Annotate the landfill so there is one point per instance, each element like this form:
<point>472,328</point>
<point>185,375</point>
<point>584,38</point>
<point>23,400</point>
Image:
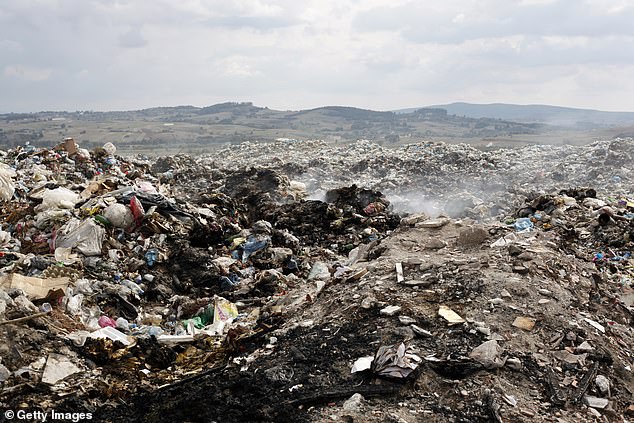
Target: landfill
<point>309,281</point>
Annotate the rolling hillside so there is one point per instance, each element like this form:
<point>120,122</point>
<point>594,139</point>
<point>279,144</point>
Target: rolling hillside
<point>551,115</point>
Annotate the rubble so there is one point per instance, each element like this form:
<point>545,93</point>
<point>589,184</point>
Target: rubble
<point>449,315</point>
<point>58,367</point>
<point>525,323</point>
<point>262,283</point>
<point>595,402</point>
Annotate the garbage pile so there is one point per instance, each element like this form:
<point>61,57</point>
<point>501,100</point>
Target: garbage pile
<point>456,179</point>
<point>222,289</point>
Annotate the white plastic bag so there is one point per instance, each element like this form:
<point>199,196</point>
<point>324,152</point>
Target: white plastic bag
<point>7,186</point>
<point>73,304</point>
<point>58,198</point>
<point>87,237</point>
<point>110,148</point>
<point>119,215</point>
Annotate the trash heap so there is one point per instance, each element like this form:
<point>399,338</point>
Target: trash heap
<point>457,179</point>
<point>221,289</point>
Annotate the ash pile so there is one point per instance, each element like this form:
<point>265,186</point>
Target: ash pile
<point>300,281</point>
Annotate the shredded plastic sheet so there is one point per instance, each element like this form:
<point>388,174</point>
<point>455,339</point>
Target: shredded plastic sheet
<point>87,237</point>
<point>395,361</point>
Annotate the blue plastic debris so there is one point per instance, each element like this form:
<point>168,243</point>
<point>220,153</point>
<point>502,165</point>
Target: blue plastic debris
<point>249,247</point>
<point>523,224</point>
<point>151,256</point>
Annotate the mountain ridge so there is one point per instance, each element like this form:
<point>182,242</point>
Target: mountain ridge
<point>534,113</point>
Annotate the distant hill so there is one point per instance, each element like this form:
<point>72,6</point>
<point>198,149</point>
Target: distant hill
<point>349,113</point>
<point>188,128</point>
<point>551,115</point>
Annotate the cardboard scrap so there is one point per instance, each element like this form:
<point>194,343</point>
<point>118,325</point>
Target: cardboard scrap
<point>33,287</point>
<point>449,315</point>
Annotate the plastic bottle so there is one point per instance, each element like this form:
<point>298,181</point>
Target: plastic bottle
<point>151,256</point>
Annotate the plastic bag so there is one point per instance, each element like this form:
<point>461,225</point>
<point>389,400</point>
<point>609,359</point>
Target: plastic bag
<point>87,237</point>
<point>119,216</point>
<point>49,218</point>
<point>83,286</point>
<point>319,271</point>
<point>65,255</point>
<point>396,361</point>
<point>123,324</point>
<point>58,198</point>
<point>224,310</point>
<point>145,186</point>
<point>105,321</point>
<point>5,237</point>
<point>7,186</point>
<point>151,256</point>
<point>110,148</point>
<point>137,210</point>
<point>73,304</point>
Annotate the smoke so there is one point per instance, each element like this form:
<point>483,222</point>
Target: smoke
<point>475,198</point>
<point>316,194</point>
<point>413,202</point>
<point>460,195</point>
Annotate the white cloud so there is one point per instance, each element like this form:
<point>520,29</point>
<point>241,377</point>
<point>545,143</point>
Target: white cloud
<point>28,73</point>
<point>132,39</point>
<point>459,18</point>
<point>534,2</point>
<point>237,66</point>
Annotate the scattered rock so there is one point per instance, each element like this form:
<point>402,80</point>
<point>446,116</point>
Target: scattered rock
<point>515,250</point>
<point>354,403</point>
<point>368,302</point>
<point>4,373</point>
<point>435,244</point>
<point>432,223</point>
<point>595,402</point>
<point>390,310</point>
<point>422,283</point>
<point>421,332</point>
<point>406,320</point>
<point>514,363</point>
<point>595,325</point>
<point>584,347</point>
<point>525,323</point>
<point>488,354</point>
<point>449,315</point>
<point>510,400</point>
<point>603,383</point>
<point>521,270</point>
<point>57,368</point>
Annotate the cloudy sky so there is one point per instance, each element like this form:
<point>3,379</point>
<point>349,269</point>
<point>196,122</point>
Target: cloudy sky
<point>294,54</point>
